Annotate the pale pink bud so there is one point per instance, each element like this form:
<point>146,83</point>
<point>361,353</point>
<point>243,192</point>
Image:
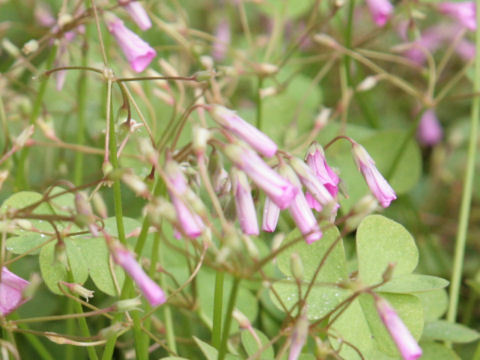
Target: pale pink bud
<point>406,344</point>
<point>300,211</point>
<point>277,188</point>
<point>191,224</point>
<point>381,11</point>
<point>222,40</point>
<point>271,212</point>
<point>380,188</point>
<point>244,130</point>
<point>152,292</point>
<point>138,53</point>
<point>11,291</point>
<point>465,49</point>
<point>247,216</point>
<point>137,13</point>
<point>429,130</point>
<point>299,336</point>
<point>464,12</point>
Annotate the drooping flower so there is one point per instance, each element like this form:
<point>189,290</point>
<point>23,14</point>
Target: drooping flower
<point>380,188</point>
<point>277,188</point>
<point>464,12</point>
<point>191,223</point>
<point>381,11</point>
<point>316,160</point>
<point>406,344</point>
<point>138,53</point>
<point>300,211</point>
<point>429,130</point>
<point>11,291</point>
<point>271,212</point>
<point>244,130</point>
<point>152,292</point>
<point>246,213</point>
<point>222,40</point>
<point>137,13</point>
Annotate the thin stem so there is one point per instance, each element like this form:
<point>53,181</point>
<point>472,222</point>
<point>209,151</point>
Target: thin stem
<point>461,239</point>
<point>217,309</point>
<point>92,354</point>
<point>40,349</point>
<point>99,32</point>
<point>167,311</point>
<point>259,103</point>
<point>228,318</point>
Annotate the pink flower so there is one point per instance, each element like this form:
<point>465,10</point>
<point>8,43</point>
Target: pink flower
<point>138,53</point>
<point>464,12</point>
<point>247,216</point>
<point>11,291</point>
<point>465,49</point>
<point>191,224</point>
<point>244,130</point>
<point>381,11</point>
<point>300,211</point>
<point>222,40</point>
<point>278,189</point>
<point>137,13</point>
<point>318,163</point>
<point>429,130</point>
<point>299,336</point>
<point>406,344</point>
<point>375,181</point>
<point>271,212</point>
<point>152,292</point>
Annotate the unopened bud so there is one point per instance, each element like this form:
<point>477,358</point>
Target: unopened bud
<point>368,83</point>
<point>206,61</point>
<point>200,139</point>
<point>128,305</point>
<point>269,91</point>
<point>24,136</point>
<point>30,47</point>
<point>242,320</point>
<point>146,148</point>
<point>296,266</point>
<point>277,241</point>
<point>387,274</point>
<point>107,168</point>
<point>322,118</point>
<point>61,254</point>
<point>326,40</point>
<point>79,290</point>
<point>99,205</point>
<point>361,209</point>
<point>47,128</point>
<point>64,19</point>
<point>10,48</point>
<point>111,331</point>
<point>251,247</point>
<point>160,209</point>
<point>266,69</point>
<point>136,184</point>
<point>3,176</point>
<point>204,75</point>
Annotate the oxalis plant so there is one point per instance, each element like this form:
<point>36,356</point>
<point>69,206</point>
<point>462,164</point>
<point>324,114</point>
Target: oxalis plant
<point>276,179</point>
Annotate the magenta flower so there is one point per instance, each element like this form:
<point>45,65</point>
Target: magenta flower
<point>152,292</point>
<point>222,40</point>
<point>380,188</point>
<point>464,12</point>
<point>271,212</point>
<point>247,216</point>
<point>11,291</point>
<point>278,189</point>
<point>406,344</point>
<point>318,163</point>
<point>381,11</point>
<point>244,130</point>
<point>137,13</point>
<point>138,53</point>
<point>300,211</point>
<point>429,130</point>
<point>191,224</point>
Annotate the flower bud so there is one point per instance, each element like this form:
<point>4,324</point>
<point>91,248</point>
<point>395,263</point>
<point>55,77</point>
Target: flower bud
<point>364,207</point>
<point>3,176</point>
<point>242,320</point>
<point>24,136</point>
<point>200,139</point>
<point>30,47</point>
<point>111,331</point>
<point>137,13</point>
<point>136,184</point>
<point>10,48</point>
<point>251,247</point>
<point>79,290</point>
<point>245,208</point>
<point>128,305</point>
<point>266,69</point>
<point>296,266</point>
<point>99,205</point>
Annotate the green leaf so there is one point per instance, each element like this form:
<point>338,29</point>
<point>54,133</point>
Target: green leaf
<point>210,352</point>
<point>380,242</point>
<point>413,283</point>
<point>434,303</point>
<point>25,242</point>
<point>291,9</point>
<point>251,346</point>
<point>446,331</point>
<point>76,261</point>
<point>52,270</point>
<point>434,351</point>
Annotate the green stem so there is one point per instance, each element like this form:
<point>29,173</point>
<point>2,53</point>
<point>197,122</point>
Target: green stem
<point>228,319</point>
<point>259,103</point>
<point>70,349</point>
<point>217,309</point>
<point>40,349</point>
<point>348,39</point>
<point>467,189</point>
<point>20,179</point>
<point>92,354</point>
<point>109,348</point>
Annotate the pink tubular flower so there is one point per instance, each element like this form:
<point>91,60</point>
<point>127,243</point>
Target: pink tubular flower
<point>278,189</point>
<point>380,188</point>
<point>318,163</point>
<point>301,213</point>
<point>271,212</point>
<point>299,336</point>
<point>152,292</point>
<point>244,130</point>
<point>137,13</point>
<point>191,224</point>
<point>381,11</point>
<point>406,344</point>
<point>11,291</point>
<point>222,40</point>
<point>464,12</point>
<point>429,130</point>
<point>138,53</point>
<point>247,216</point>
